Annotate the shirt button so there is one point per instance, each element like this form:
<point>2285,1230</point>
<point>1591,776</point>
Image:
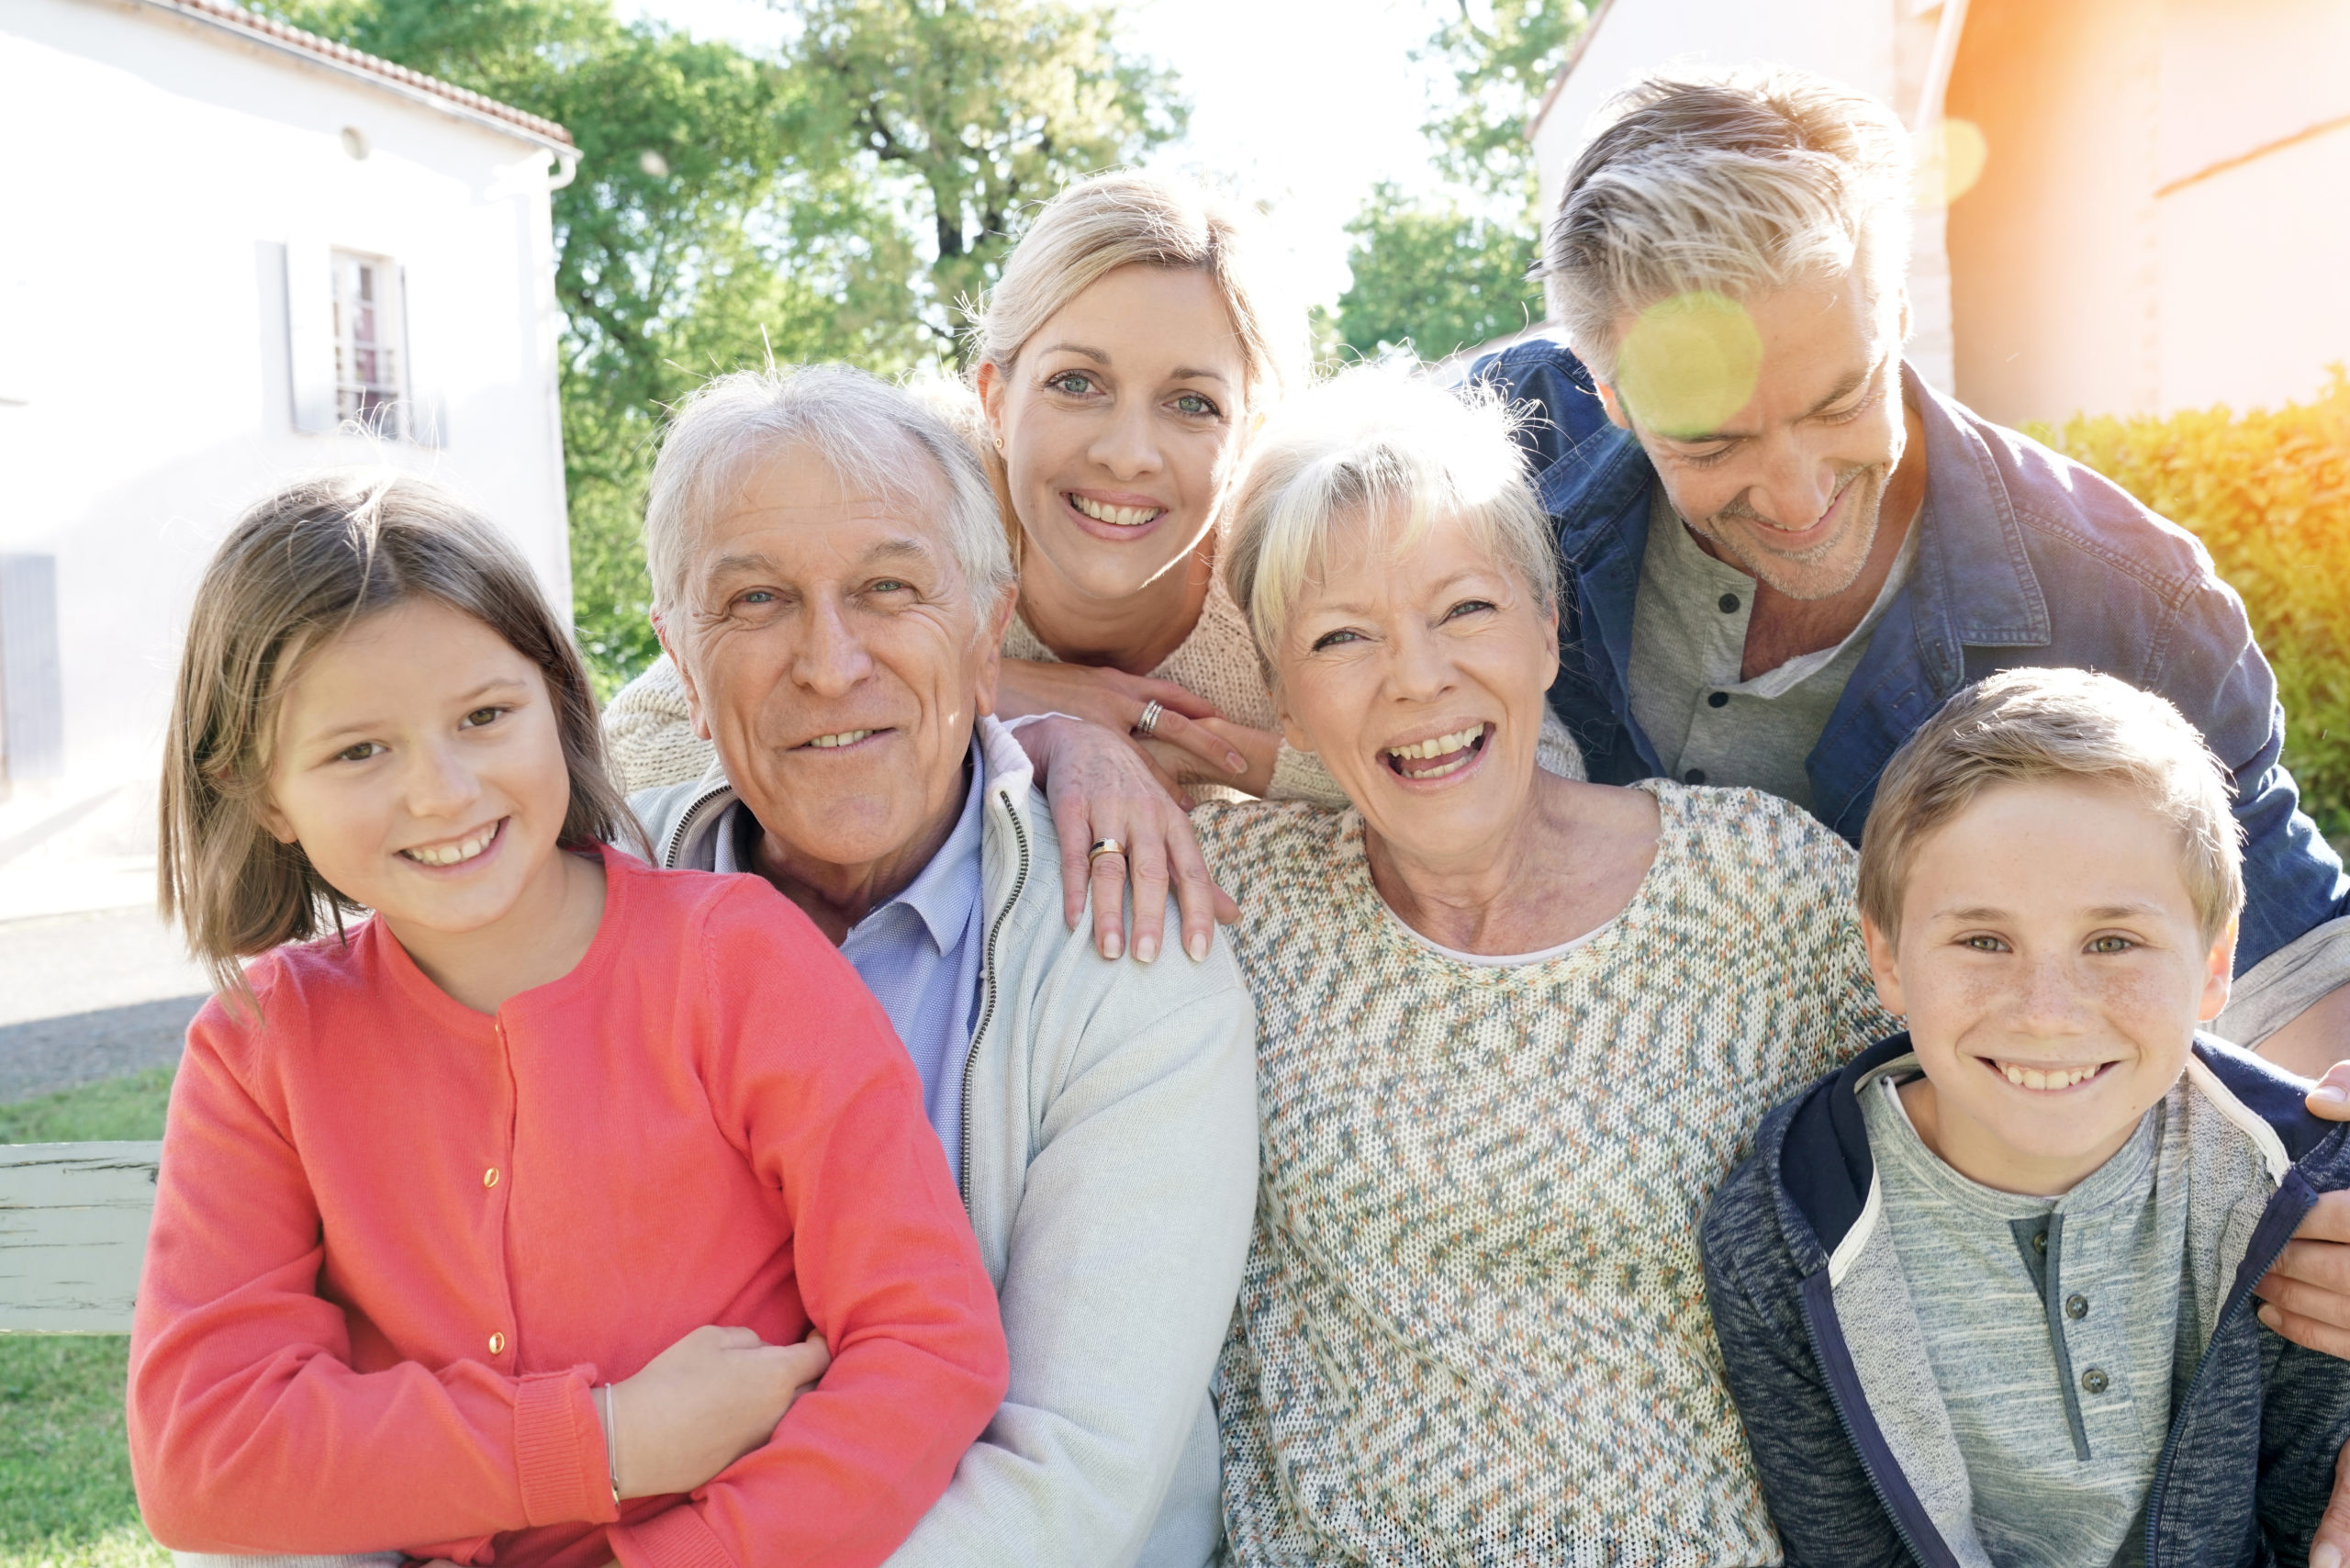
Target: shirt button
<point>2040,1241</point>
<point>1728,602</point>
<point>2094,1379</point>
<point>490,1177</point>
<point>1694,776</point>
<point>2076,1307</point>
<point>1717,700</point>
<point>497,1348</point>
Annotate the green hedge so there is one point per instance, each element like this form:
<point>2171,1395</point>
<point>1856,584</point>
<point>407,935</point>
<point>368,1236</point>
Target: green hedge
<point>2268,493</point>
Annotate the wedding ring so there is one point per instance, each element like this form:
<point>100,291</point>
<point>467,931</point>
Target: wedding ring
<point>1103,846</point>
<point>1149,723</point>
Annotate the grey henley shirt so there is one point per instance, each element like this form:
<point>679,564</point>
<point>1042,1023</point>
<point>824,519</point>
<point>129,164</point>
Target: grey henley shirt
<point>2052,1326</point>
<point>1689,623</point>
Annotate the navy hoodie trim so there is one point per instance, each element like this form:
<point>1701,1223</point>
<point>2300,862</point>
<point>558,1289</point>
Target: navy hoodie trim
<point>1918,1529</point>
<point>2271,1093</point>
<point>1825,1165</point>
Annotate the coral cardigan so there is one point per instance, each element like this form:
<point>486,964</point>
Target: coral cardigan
<point>397,1240</point>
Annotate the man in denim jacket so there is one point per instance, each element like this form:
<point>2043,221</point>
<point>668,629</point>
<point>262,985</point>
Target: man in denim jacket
<point>1842,547</point>
<point>1845,546</point>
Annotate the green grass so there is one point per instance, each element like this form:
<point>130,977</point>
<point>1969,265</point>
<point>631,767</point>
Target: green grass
<point>65,1497</point>
<point>118,1108</point>
<point>65,1493</point>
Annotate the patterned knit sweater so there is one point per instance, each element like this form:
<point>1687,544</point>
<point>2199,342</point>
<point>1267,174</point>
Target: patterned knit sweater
<point>649,737</point>
<point>1473,1329</point>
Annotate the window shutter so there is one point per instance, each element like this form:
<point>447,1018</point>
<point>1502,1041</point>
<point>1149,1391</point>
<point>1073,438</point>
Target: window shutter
<point>32,687</point>
<point>309,335</point>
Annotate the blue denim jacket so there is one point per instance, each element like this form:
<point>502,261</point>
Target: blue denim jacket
<point>2024,558</point>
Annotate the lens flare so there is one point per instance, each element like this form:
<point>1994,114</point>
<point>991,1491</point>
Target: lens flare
<point>1951,155</point>
<point>1689,363</point>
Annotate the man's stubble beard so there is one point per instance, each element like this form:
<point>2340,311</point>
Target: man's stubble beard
<point>1798,575</point>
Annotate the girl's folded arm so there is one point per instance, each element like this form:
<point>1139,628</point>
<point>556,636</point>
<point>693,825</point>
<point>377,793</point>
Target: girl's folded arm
<point>248,1429</point>
<point>886,1265</point>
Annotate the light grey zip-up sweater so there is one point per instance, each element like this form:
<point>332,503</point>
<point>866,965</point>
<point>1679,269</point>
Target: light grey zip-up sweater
<point>1110,1171</point>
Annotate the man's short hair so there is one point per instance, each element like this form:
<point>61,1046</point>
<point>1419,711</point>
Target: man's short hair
<point>1726,187</point>
<point>2031,725</point>
<point>878,438</point>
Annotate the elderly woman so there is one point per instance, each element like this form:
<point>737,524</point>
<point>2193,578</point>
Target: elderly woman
<point>1513,1029</point>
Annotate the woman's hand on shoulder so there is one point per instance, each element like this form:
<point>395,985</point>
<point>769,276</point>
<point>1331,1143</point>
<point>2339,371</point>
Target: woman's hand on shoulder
<point>1260,749</point>
<point>1118,703</point>
<point>1103,791</point>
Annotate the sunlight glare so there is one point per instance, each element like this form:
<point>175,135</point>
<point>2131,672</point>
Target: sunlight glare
<point>1689,363</point>
<point>1951,155</point>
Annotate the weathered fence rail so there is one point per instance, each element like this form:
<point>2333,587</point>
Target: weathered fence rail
<point>72,1231</point>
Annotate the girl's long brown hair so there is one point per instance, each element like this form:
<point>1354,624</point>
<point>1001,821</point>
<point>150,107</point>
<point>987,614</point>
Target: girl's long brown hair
<point>299,569</point>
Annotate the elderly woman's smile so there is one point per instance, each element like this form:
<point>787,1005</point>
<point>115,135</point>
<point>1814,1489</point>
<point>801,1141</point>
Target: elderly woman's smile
<point>1438,756</point>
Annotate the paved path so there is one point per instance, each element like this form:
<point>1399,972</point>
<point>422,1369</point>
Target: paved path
<point>84,997</point>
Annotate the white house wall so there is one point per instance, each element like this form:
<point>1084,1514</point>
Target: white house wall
<point>1852,41</point>
<point>161,170</point>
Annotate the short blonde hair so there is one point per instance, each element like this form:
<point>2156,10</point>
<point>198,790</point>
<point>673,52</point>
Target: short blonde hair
<point>1393,450</point>
<point>1125,219</point>
<point>1730,184</point>
<point>298,569</point>
<point>2031,725</point>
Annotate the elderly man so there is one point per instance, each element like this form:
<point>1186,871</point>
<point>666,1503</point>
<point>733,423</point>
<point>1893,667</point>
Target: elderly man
<point>831,579</point>
<point>1783,550</point>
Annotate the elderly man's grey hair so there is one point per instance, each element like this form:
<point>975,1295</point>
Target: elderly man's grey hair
<point>1394,451</point>
<point>1724,188</point>
<point>877,438</point>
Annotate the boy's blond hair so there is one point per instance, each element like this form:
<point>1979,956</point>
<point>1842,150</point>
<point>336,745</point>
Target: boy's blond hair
<point>2029,725</point>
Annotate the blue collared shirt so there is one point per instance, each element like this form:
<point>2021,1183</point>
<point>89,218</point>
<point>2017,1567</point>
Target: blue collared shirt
<point>919,954</point>
<point>2024,558</point>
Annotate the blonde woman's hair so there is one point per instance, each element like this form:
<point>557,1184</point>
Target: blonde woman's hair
<point>1730,184</point>
<point>1125,218</point>
<point>2034,726</point>
<point>299,569</point>
<point>1397,452</point>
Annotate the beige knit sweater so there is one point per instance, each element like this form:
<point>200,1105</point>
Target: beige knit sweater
<point>1472,1332</point>
<point>649,738</point>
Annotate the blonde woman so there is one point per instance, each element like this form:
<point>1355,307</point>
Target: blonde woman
<point>1133,341</point>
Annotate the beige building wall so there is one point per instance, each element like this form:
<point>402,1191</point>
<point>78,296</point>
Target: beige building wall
<point>2164,220</point>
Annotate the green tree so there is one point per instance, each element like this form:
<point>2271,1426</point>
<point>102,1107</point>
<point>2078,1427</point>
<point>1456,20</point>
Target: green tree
<point>980,108</point>
<point>729,208</point>
<point>717,218</point>
<point>1433,277</point>
<point>1450,273</point>
<point>1501,68</point>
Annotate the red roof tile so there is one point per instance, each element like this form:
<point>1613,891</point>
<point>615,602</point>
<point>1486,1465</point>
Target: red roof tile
<point>235,18</point>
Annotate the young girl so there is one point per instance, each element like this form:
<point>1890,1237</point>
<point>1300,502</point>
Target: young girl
<point>438,1185</point>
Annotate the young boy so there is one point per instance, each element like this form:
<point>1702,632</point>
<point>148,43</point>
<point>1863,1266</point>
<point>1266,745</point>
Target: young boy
<point>1984,1296</point>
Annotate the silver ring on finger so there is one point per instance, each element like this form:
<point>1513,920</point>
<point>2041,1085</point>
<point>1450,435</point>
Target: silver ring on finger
<point>1149,723</point>
<point>1103,846</point>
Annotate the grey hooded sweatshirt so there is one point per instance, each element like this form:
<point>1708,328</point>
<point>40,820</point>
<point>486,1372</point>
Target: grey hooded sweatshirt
<point>1109,1166</point>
